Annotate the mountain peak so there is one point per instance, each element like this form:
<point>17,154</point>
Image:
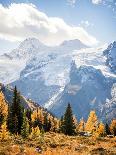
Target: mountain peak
<point>74,43</point>
<point>30,43</point>
<point>110,54</point>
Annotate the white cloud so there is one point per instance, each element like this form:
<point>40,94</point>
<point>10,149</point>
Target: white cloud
<point>71,2</point>
<point>97,1</point>
<point>20,21</point>
<point>86,23</point>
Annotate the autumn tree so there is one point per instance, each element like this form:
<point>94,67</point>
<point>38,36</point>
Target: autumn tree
<point>68,122</point>
<point>81,126</point>
<point>47,123</point>
<point>4,134</point>
<point>92,122</point>
<point>37,118</point>
<point>113,127</point>
<point>100,131</point>
<point>3,109</point>
<point>35,132</point>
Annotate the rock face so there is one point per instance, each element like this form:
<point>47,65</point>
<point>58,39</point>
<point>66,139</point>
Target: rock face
<point>8,94</point>
<point>43,70</point>
<point>47,75</point>
<point>110,54</point>
<point>87,90</point>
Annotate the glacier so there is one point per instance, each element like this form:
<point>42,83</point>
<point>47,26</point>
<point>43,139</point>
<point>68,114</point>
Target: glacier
<point>43,73</point>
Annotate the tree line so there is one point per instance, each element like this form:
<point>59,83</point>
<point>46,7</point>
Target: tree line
<point>15,120</point>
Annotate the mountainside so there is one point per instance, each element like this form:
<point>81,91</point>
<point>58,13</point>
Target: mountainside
<point>110,54</point>
<point>87,90</point>
<point>47,76</point>
<point>8,94</point>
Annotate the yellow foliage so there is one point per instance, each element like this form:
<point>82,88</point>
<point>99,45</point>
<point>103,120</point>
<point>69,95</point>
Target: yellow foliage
<point>35,132</point>
<point>3,107</point>
<point>54,123</point>
<point>37,114</point>
<point>30,151</point>
<point>4,134</point>
<point>92,122</point>
<point>113,127</point>
<point>81,126</point>
<point>100,130</point>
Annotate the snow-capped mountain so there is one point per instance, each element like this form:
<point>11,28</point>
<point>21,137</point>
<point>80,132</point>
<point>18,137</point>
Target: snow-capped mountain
<point>45,74</point>
<point>88,89</point>
<point>110,54</point>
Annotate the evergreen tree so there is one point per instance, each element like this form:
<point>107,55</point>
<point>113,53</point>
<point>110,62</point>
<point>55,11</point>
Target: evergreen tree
<point>28,115</point>
<point>25,126</point>
<point>113,127</point>
<point>15,114</point>
<point>61,126</point>
<point>68,122</point>
<point>107,129</point>
<point>47,123</point>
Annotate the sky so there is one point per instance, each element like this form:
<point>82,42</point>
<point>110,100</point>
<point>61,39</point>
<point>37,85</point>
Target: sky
<point>52,21</point>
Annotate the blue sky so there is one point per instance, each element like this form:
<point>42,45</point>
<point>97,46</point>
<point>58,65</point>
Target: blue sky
<point>96,17</point>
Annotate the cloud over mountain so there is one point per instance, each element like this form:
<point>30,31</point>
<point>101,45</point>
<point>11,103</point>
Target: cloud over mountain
<point>20,21</point>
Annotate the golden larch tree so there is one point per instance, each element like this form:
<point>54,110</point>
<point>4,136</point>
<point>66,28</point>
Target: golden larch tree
<point>100,131</point>
<point>4,134</point>
<point>81,126</point>
<point>3,108</point>
<point>92,122</point>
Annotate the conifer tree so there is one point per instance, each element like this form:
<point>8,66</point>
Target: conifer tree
<point>4,134</point>
<point>113,127</point>
<point>92,122</point>
<point>3,109</point>
<point>25,126</point>
<point>100,131</point>
<point>37,118</point>
<point>107,129</point>
<point>81,126</point>
<point>28,115</point>
<point>15,114</point>
<point>47,123</point>
<point>69,125</point>
<point>61,126</point>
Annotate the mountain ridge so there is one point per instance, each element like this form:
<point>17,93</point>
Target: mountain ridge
<point>42,73</point>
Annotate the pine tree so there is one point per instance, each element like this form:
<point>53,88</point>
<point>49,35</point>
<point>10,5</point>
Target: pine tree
<point>113,127</point>
<point>61,126</point>
<point>15,114</point>
<point>92,122</point>
<point>107,129</point>
<point>25,126</point>
<point>69,125</point>
<point>28,115</point>
<point>47,123</point>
